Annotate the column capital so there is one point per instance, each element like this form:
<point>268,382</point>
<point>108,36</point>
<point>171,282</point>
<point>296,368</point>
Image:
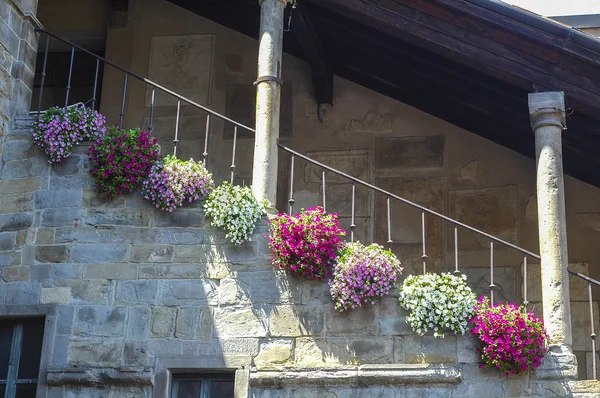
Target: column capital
<point>547,109</point>
<point>283,2</point>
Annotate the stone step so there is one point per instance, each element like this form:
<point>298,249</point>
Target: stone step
<point>585,388</point>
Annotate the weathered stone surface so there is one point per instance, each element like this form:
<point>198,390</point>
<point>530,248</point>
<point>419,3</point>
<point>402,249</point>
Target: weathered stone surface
<point>110,271</point>
<point>96,352</point>
<point>182,218</point>
<point>8,240</point>
<point>393,326</point>
<point>23,168</point>
<point>136,353</point>
<point>82,235</point>
<point>16,203</point>
<point>10,258</point>
<point>15,221</point>
<point>20,186</point>
<point>315,293</point>
<point>578,288</point>
<point>67,166</point>
<point>151,254</point>
<point>91,199</point>
<point>469,170</point>
<point>138,321</point>
<point>162,322</point>
<point>234,291</point>
<point>242,322</point>
<point>185,322</point>
<point>78,181</point>
<point>66,217</point>
<point>492,210</point>
<point>360,321</point>
<point>52,254</point>
<point>428,349</point>
<point>188,292</point>
<point>86,292</point>
<point>410,152</point>
<point>134,235</point>
<point>342,351</point>
<point>478,279</point>
<point>372,123</point>
<point>355,163</point>
<point>339,200</point>
<point>171,271</point>
<point>127,216</point>
<point>44,236</point>
<point>55,295</point>
<point>467,346</point>
<point>15,274</point>
<point>293,321</point>
<point>205,328</point>
<point>23,293</point>
<point>56,199</point>
<point>103,321</point>
<point>274,353</point>
<point>136,292</point>
<point>93,254</point>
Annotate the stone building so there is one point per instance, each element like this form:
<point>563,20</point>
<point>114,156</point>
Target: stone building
<point>426,100</point>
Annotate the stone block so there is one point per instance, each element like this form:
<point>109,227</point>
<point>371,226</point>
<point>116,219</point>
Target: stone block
<point>8,240</point>
<point>82,235</point>
<point>66,316</point>
<point>326,352</point>
<point>361,321</point>
<point>138,322</point>
<point>64,217</point>
<point>467,346</point>
<point>192,236</point>
<point>205,329</point>
<point>110,271</point>
<point>55,295</point>
<point>52,254</point>
<point>274,353</point>
<point>16,150</point>
<point>25,237</point>
<point>93,254</point>
<point>234,291</point>
<point>44,236</point>
<point>16,203</point>
<point>86,292</point>
<point>478,279</point>
<point>128,216</point>
<point>15,221</point>
<point>492,210</point>
<point>423,152</point>
<point>393,326</point>
<point>23,293</point>
<point>15,274</point>
<point>60,352</point>
<point>315,293</point>
<point>10,258</point>
<point>272,287</point>
<point>151,254</point>
<point>198,254</point>
<point>160,347</point>
<point>137,236</point>
<point>294,321</point>
<point>182,218</point>
<point>218,271</point>
<point>171,271</point>
<point>428,349</point>
<point>162,322</point>
<point>77,181</point>
<point>96,352</point>
<point>100,321</point>
<point>136,292</point>
<point>32,167</point>
<point>135,353</point>
<point>67,166</point>
<point>185,323</point>
<point>239,322</point>
<point>474,389</point>
<point>91,199</point>
<point>57,199</point>
<point>187,292</point>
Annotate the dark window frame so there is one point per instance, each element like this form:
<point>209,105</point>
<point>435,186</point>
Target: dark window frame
<point>205,378</point>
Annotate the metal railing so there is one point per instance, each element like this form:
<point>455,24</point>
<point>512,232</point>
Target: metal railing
<point>155,86</point>
<point>425,212</point>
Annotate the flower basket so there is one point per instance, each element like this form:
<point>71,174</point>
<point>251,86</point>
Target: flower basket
<point>121,160</point>
<point>235,209</point>
<point>173,182</point>
<point>60,129</point>
<point>307,243</point>
<point>437,302</point>
<point>362,275</point>
<point>511,340</point>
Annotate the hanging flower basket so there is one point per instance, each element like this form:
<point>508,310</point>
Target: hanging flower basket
<point>511,340</point>
<point>307,243</point>
<point>235,209</point>
<point>60,129</point>
<point>362,275</point>
<point>121,160</point>
<point>438,303</point>
<point>173,182</point>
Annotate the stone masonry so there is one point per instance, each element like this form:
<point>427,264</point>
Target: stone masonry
<point>129,292</point>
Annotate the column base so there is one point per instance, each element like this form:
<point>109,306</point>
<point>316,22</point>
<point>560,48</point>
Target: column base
<point>559,364</point>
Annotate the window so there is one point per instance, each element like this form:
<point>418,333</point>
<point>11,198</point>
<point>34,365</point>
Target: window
<point>20,353</point>
<point>215,385</point>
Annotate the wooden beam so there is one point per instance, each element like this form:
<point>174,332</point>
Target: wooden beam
<point>307,38</point>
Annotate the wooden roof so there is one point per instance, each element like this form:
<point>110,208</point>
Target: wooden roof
<point>469,62</point>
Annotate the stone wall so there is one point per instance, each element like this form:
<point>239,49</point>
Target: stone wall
<point>130,292</point>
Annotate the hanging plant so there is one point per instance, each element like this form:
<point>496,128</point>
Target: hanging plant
<point>60,129</point>
<point>307,243</point>
<point>438,303</point>
<point>511,340</point>
<point>236,210</point>
<point>362,275</point>
<point>173,182</point>
<point>121,160</point>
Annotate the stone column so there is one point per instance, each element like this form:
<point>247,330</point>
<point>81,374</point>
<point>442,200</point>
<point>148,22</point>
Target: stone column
<point>268,95</point>
<point>547,114</point>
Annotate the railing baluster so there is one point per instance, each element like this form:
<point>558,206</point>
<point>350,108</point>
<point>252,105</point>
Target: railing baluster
<point>389,222</point>
<point>152,101</point>
<point>43,77</point>
<point>205,153</point>
<point>235,130</point>
<point>95,84</point>
<point>525,301</point>
<point>352,222</point>
<point>291,200</point>
<point>176,140</point>
<point>456,271</point>
<point>122,114</point>
<point>593,334</point>
<point>492,286</point>
<point>424,237</point>
<point>324,200</point>
<point>70,75</point>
